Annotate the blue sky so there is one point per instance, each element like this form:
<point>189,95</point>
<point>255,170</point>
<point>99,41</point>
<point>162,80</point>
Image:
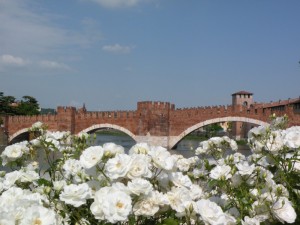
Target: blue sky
<point>110,54</point>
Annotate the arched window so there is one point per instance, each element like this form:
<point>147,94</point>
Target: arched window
<point>245,103</point>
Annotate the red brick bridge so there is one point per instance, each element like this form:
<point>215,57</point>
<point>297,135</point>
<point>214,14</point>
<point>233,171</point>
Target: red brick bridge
<point>160,123</point>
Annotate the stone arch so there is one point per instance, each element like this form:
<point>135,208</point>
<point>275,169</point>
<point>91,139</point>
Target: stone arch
<point>108,125</point>
<point>16,134</point>
<point>176,139</point>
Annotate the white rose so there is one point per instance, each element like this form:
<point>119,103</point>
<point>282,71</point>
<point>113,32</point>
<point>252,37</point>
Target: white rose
<point>145,207</point>
<point>250,221</point>
<point>140,166</point>
<point>29,176</point>
<point>244,168</point>
<point>275,142</point>
<point>118,166</point>
<point>59,185</point>
<point>220,172</point>
<point>178,198</point>
<point>112,149</point>
<point>14,152</point>
<point>291,137</point>
<point>111,204</point>
<point>140,186</point>
<point>180,180</point>
<point>210,212</point>
<point>183,164</point>
<point>75,195</point>
<point>39,215</point>
<point>284,211</point>
<point>195,192</point>
<point>139,148</point>
<point>91,156</point>
<point>11,178</point>
<point>162,158</point>
<point>37,125</point>
<point>72,167</point>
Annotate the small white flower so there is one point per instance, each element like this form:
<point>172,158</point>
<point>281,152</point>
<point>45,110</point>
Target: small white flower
<point>75,195</point>
<point>113,149</point>
<point>139,148</point>
<point>37,125</point>
<point>39,215</point>
<point>291,137</point>
<point>244,168</point>
<point>284,211</point>
<point>91,156</point>
<point>118,166</point>
<point>210,212</point>
<point>72,167</point>
<point>220,172</point>
<point>140,186</point>
<point>162,158</point>
<point>180,180</point>
<point>111,204</point>
<point>250,221</point>
<point>178,198</point>
<point>59,185</point>
<point>14,152</point>
<point>140,166</point>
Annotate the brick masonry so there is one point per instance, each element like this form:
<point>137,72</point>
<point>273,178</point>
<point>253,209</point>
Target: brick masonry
<point>158,123</point>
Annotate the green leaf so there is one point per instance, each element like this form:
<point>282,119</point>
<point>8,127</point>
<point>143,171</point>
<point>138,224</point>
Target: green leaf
<point>44,182</point>
<point>169,221</point>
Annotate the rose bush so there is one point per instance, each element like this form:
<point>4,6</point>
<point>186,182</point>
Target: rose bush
<point>84,184</point>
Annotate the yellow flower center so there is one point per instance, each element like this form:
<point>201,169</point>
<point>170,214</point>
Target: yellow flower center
<point>37,222</point>
<point>119,204</point>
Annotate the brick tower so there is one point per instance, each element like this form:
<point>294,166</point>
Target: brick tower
<point>239,100</point>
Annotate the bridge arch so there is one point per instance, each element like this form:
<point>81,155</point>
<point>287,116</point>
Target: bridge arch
<point>16,134</point>
<point>176,139</point>
<point>108,125</point>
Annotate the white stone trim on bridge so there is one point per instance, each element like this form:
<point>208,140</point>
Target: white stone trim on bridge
<point>154,140</point>
<point>108,125</point>
<point>173,140</point>
<point>11,137</point>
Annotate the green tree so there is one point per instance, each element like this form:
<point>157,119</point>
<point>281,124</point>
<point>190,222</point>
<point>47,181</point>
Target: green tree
<point>5,104</point>
<point>213,129</point>
<point>28,106</point>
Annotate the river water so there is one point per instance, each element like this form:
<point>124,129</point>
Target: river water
<point>185,147</point>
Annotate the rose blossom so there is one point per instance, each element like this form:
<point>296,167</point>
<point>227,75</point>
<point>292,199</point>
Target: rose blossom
<point>139,148</point>
<point>210,212</point>
<point>291,137</point>
<point>220,172</point>
<point>91,156</point>
<point>140,166</point>
<point>118,166</point>
<point>162,158</point>
<point>140,186</point>
<point>75,195</point>
<point>284,211</point>
<point>244,168</point>
<point>39,215</point>
<point>111,204</point>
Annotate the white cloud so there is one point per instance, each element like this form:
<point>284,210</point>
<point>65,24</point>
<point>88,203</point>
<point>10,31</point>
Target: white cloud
<point>117,3</point>
<point>53,65</point>
<point>116,48</point>
<point>9,60</point>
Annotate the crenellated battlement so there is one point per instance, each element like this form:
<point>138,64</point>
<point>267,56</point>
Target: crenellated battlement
<point>155,105</point>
